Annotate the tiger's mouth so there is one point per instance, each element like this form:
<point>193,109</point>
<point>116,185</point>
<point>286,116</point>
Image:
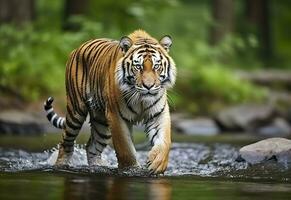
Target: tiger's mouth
<point>148,92</point>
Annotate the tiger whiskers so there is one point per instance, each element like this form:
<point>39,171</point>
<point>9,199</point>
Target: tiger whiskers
<point>133,99</point>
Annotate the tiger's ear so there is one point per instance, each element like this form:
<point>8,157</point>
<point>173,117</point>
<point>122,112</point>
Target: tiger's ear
<point>166,42</point>
<point>125,43</point>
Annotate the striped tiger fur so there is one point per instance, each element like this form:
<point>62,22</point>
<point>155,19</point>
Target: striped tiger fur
<point>55,120</point>
<point>118,83</point>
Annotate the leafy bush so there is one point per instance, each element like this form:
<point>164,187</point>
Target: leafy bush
<point>33,61</point>
<point>33,57</point>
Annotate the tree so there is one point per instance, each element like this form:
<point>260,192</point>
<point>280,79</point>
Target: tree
<point>223,14</point>
<point>258,14</point>
<point>17,11</point>
<point>73,8</point>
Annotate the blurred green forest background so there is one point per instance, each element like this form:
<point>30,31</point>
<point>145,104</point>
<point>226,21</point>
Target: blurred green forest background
<point>214,40</point>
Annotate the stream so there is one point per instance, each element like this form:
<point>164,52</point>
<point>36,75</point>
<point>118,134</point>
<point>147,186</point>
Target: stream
<point>195,171</point>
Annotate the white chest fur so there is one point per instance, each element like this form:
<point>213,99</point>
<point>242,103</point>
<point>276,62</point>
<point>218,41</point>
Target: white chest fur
<point>143,108</point>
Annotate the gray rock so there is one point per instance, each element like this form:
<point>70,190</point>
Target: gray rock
<point>29,122</point>
<point>278,148</point>
<point>21,122</point>
<point>247,117</point>
<point>198,126</point>
<point>278,128</point>
<point>177,117</point>
<point>267,77</point>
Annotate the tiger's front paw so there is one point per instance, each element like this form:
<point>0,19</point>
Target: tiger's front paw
<point>158,158</point>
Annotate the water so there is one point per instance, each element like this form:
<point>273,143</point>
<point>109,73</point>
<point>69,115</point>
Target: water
<point>196,171</point>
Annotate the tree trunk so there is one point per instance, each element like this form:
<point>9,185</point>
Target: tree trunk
<point>17,11</point>
<point>258,14</point>
<point>73,8</point>
<point>223,14</point>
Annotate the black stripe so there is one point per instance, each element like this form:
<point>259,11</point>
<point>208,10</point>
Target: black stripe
<point>83,66</point>
<point>71,125</point>
<point>96,55</point>
<point>78,93</point>
<point>156,101</point>
<point>100,51</point>
<point>100,151</point>
<point>168,72</point>
<point>104,50</point>
<point>141,51</point>
<point>81,112</point>
<point>149,129</point>
<point>92,153</point>
<point>95,51</point>
<point>151,51</point>
<point>101,143</point>
<point>103,136</point>
<point>124,118</point>
<point>84,76</point>
<point>55,122</point>
<point>50,115</point>
<point>166,80</point>
<point>47,106</point>
<point>66,145</point>
<point>69,150</point>
<point>70,83</point>
<point>156,114</point>
<point>99,121</point>
<point>68,134</point>
<point>71,115</point>
<point>69,140</point>
<point>152,140</point>
<point>130,108</point>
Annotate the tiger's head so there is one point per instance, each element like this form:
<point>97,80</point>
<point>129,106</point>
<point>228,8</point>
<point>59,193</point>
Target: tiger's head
<point>146,69</point>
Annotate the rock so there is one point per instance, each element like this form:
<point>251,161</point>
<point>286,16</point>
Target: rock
<point>278,128</point>
<point>267,77</point>
<point>199,126</point>
<point>247,117</point>
<point>29,122</point>
<point>278,148</point>
<point>21,122</point>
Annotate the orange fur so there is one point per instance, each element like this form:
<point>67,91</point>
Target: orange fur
<point>92,87</point>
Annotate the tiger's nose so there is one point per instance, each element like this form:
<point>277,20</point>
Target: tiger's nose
<point>148,86</point>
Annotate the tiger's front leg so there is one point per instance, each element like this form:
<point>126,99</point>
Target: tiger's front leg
<point>122,142</point>
<point>158,131</point>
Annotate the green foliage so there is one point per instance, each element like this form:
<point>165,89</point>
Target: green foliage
<point>206,88</point>
<point>32,58</point>
<point>33,61</point>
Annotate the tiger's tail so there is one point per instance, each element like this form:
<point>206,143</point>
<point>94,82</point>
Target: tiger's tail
<point>55,120</point>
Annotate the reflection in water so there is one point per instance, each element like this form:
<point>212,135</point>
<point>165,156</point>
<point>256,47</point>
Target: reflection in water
<point>161,189</point>
<point>84,188</point>
<point>112,188</point>
<point>68,186</point>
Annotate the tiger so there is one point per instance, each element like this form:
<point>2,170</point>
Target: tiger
<point>118,83</point>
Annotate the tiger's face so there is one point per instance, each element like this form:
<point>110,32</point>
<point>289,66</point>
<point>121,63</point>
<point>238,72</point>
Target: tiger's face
<point>146,68</point>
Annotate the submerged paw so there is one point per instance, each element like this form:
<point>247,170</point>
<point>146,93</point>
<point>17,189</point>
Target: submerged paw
<point>98,162</point>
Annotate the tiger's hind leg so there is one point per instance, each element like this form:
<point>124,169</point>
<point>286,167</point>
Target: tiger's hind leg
<point>74,122</point>
<point>99,139</point>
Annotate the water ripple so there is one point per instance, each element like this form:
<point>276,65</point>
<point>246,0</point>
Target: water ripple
<point>185,159</point>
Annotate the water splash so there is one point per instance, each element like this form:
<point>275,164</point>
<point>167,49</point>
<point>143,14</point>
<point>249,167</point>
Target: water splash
<point>185,159</point>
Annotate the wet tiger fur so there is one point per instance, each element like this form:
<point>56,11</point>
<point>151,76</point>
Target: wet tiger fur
<point>119,84</point>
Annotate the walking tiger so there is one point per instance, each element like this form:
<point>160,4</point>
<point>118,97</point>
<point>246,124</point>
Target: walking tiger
<point>119,84</point>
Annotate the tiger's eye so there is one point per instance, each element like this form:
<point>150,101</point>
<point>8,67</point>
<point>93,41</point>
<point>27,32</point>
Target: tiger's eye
<point>156,66</point>
<point>138,67</point>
